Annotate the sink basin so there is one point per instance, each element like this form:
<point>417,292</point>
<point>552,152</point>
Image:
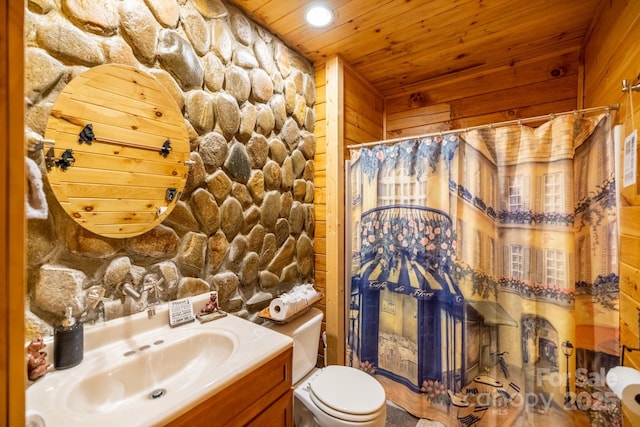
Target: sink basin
<point>140,372</point>
<point>166,363</point>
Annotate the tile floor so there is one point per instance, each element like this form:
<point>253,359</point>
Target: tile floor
<point>398,417</point>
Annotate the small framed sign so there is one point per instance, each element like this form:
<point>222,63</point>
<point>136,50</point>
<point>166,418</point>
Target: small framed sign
<point>180,312</point>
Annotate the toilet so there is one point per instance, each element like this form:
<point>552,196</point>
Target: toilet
<point>333,396</point>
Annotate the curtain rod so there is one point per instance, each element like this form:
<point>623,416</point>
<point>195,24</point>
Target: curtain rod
<point>489,126</point>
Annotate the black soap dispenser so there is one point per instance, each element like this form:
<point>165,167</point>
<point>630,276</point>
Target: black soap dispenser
<point>68,342</point>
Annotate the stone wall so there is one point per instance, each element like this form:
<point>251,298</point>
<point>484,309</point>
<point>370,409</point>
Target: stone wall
<point>244,224</point>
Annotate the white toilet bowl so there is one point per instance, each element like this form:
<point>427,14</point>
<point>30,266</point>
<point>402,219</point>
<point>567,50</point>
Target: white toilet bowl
<point>338,396</point>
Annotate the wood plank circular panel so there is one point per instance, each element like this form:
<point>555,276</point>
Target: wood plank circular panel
<point>124,173</point>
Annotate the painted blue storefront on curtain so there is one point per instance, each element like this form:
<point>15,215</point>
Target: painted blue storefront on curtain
<point>407,250</point>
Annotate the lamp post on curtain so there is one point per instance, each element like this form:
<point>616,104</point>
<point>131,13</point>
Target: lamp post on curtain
<point>567,350</point>
<point>354,309</point>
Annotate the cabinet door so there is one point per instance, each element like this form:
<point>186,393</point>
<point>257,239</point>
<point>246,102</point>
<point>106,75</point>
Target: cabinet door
<point>245,400</point>
<point>279,414</point>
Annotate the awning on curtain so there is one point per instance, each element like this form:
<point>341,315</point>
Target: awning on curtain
<point>407,249</point>
<point>492,313</point>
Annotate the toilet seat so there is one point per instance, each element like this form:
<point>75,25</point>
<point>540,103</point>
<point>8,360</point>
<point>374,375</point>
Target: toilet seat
<point>347,393</point>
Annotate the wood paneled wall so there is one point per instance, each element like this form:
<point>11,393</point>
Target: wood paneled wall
<point>612,54</point>
<point>12,220</point>
<point>363,111</point>
<point>348,111</point>
<point>320,195</point>
<point>532,87</point>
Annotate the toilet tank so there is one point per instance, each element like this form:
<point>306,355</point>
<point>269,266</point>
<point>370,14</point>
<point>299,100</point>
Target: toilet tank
<point>305,332</point>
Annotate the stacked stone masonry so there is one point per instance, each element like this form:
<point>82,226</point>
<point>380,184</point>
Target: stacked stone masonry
<point>244,224</point>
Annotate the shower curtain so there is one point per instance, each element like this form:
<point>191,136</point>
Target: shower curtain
<point>484,286</point>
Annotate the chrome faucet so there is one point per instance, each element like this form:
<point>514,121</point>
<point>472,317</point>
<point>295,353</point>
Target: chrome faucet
<point>141,299</point>
<point>129,290</point>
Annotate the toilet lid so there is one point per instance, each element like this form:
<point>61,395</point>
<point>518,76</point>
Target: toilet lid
<point>347,393</point>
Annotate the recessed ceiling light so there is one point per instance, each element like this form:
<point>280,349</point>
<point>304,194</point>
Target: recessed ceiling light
<point>319,16</point>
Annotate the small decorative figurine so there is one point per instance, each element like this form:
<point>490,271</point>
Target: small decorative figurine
<point>211,305</point>
<point>37,364</point>
<point>211,310</point>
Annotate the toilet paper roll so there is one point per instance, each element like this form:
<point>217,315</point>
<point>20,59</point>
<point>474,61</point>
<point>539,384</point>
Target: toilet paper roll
<point>280,309</point>
<point>294,301</point>
<point>631,398</point>
<point>625,383</point>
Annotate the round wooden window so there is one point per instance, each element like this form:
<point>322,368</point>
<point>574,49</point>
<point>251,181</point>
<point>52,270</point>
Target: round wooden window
<point>117,151</point>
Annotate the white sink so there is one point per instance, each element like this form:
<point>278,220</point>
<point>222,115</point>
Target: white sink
<point>141,372</point>
<point>165,363</point>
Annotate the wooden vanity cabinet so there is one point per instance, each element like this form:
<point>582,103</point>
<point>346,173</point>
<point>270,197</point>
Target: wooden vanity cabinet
<point>263,397</point>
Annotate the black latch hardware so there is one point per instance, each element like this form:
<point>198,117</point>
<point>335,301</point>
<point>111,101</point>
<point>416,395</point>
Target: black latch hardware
<point>86,134</point>
<point>63,162</point>
<point>171,194</point>
<point>166,148</point>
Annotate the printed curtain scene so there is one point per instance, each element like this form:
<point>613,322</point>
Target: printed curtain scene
<point>484,284</point>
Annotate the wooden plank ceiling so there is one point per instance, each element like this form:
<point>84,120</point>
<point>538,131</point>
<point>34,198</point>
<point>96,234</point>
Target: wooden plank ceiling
<point>398,43</point>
